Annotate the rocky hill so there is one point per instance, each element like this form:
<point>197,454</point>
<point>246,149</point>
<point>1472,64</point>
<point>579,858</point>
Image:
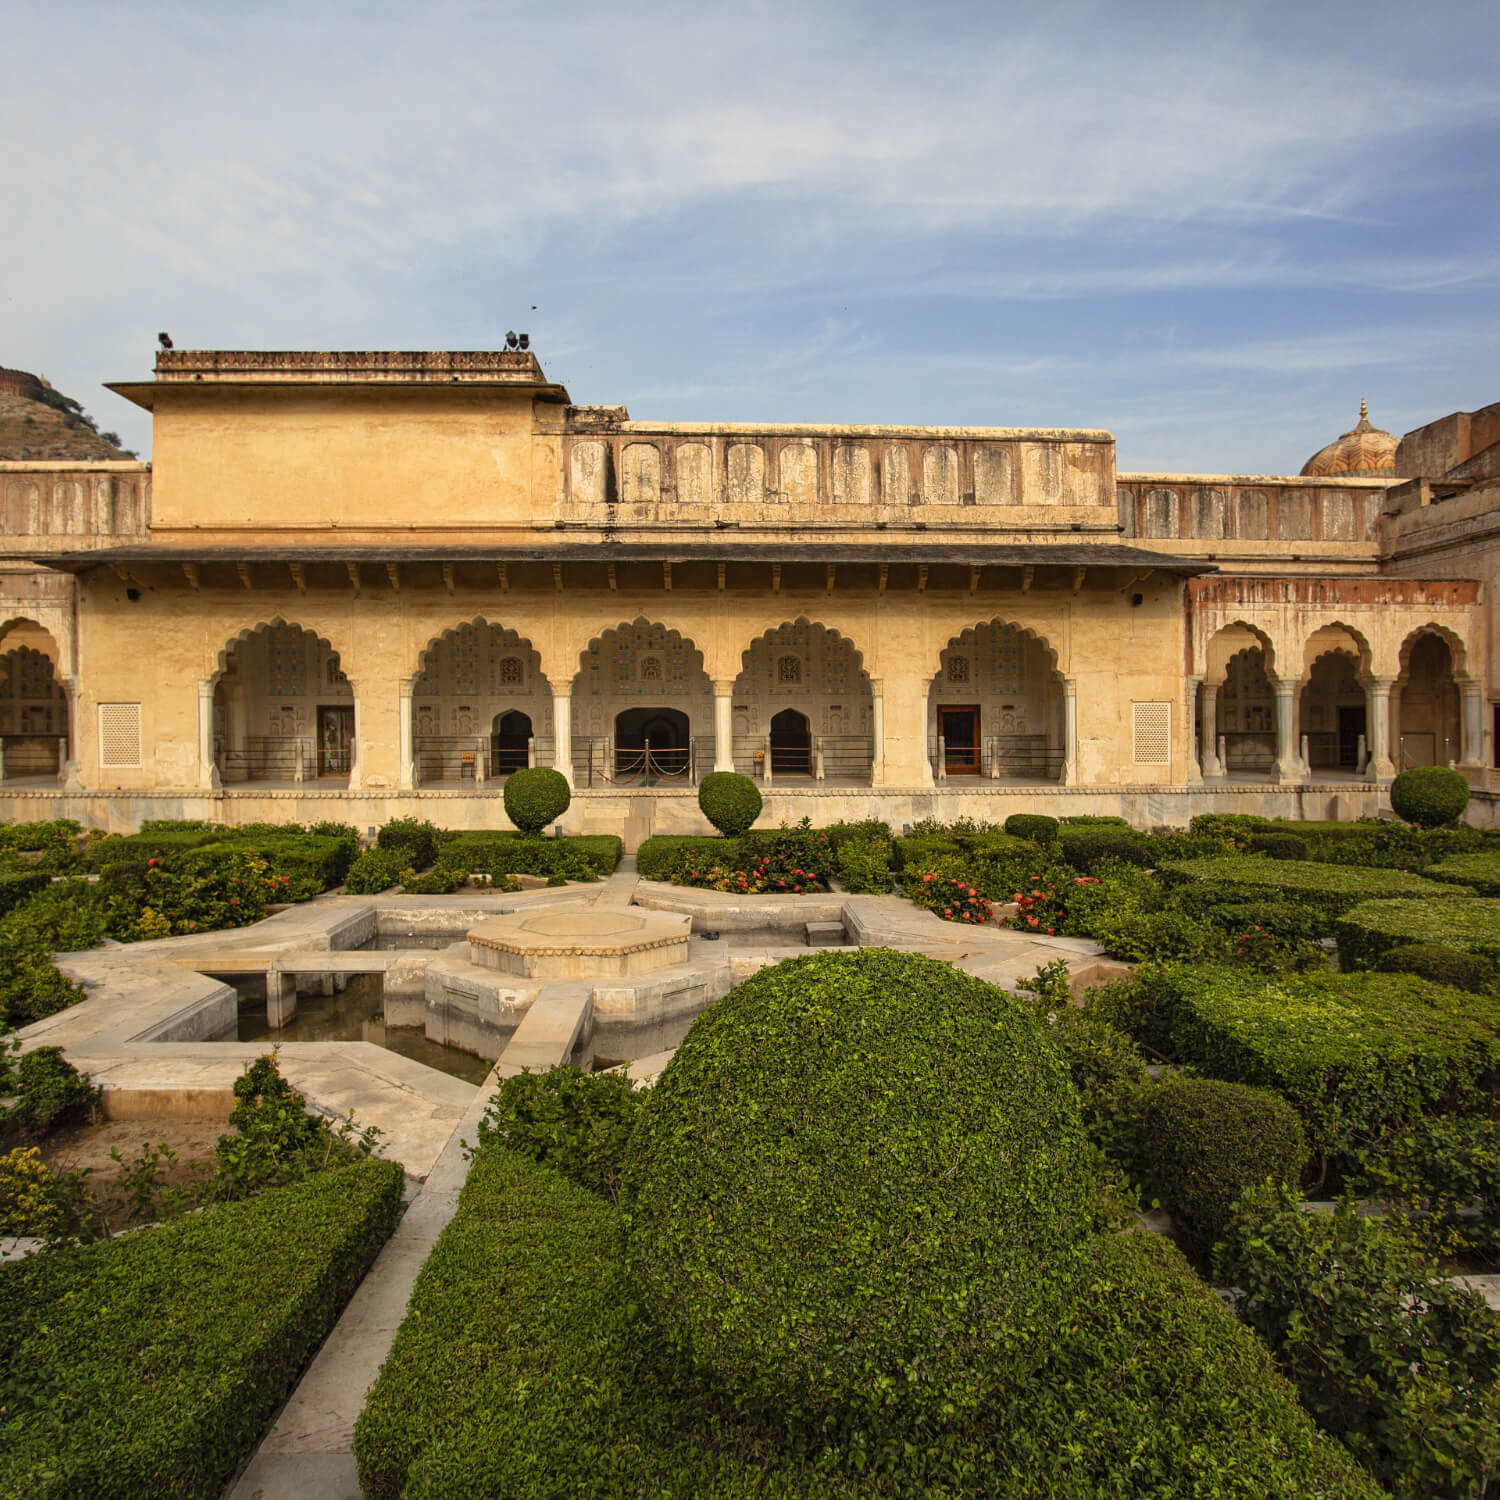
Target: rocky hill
<point>40,423</point>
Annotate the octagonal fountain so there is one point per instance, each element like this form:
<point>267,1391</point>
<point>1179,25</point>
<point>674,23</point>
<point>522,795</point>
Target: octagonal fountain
<point>534,988</point>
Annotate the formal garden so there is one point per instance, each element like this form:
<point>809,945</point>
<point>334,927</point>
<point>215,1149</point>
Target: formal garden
<point>880,1228</point>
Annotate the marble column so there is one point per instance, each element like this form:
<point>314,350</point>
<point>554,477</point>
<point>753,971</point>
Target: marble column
<point>404,710</point>
<point>1070,733</point>
<point>723,724</point>
<point>1190,700</point>
<point>1208,752</point>
<point>1288,766</point>
<point>208,770</point>
<point>356,766</point>
<point>562,732</point>
<point>1378,728</point>
<point>877,722</point>
<point>1471,725</point>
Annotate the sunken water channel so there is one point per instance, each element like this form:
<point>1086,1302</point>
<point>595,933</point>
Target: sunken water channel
<point>355,1013</point>
<point>541,984</point>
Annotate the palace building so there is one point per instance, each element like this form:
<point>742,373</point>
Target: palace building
<point>364,585</point>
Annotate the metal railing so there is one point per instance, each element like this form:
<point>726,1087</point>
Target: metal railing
<point>270,758</point>
<point>1026,757</point>
<point>600,762</point>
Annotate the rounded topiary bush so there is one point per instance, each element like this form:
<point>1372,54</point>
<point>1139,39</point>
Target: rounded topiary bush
<point>1207,1141</point>
<point>1442,965</point>
<point>730,802</point>
<point>536,797</point>
<point>859,1192</point>
<point>1037,827</point>
<point>1090,844</point>
<point>1429,796</point>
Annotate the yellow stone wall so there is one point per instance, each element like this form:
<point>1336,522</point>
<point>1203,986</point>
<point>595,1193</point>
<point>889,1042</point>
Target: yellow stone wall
<point>359,459</point>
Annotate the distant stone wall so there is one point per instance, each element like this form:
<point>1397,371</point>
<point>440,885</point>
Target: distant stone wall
<point>1221,508</point>
<point>632,471</point>
<point>69,506</point>
<point>20,383</point>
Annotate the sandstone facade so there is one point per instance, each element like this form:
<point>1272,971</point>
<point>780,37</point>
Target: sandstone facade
<point>354,585</point>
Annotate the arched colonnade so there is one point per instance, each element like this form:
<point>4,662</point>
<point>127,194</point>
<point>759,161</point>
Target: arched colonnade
<point>639,706</point>
<point>1332,702</point>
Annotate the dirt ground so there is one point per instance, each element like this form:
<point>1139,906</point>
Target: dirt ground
<point>191,1137</point>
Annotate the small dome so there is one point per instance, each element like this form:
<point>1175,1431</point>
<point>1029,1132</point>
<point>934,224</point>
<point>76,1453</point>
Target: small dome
<point>1363,453</point>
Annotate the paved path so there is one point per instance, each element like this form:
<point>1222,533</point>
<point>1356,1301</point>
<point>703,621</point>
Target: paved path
<point>309,1452</point>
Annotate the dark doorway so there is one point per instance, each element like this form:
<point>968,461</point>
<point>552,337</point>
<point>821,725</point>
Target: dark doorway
<point>335,739</point>
<point>510,740</point>
<point>652,742</point>
<point>791,744</point>
<point>959,728</point>
<point>1351,728</point>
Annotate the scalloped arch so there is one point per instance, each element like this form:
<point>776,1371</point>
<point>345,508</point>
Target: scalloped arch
<point>10,624</point>
<point>279,623</point>
<point>481,622</point>
<point>1364,654</point>
<point>969,637</point>
<point>838,635</point>
<point>1263,643</point>
<point>1458,653</point>
<point>673,634</point>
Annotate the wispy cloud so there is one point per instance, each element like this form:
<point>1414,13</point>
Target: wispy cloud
<point>730,202</point>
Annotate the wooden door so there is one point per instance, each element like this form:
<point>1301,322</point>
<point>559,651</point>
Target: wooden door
<point>959,727</point>
<point>335,739</point>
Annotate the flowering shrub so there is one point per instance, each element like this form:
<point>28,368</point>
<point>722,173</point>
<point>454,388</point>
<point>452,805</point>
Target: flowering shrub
<point>791,861</point>
<point>198,893</point>
<point>1042,904</point>
<point>954,900</point>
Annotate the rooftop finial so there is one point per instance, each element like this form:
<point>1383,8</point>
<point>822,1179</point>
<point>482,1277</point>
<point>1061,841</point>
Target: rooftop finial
<point>1364,411</point>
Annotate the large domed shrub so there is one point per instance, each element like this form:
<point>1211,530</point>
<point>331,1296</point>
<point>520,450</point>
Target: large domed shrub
<point>729,801</point>
<point>859,1194</point>
<point>534,797</point>
<point>1429,796</point>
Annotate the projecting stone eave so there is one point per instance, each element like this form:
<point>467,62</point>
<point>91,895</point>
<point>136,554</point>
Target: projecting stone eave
<point>737,549</point>
<point>844,429</point>
<point>1288,481</point>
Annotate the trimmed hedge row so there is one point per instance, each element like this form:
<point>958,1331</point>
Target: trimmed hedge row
<point>660,857</point>
<point>1331,888</point>
<point>1370,930</point>
<point>150,1364</point>
<point>1479,871</point>
<point>1355,1054</point>
<point>525,1370</point>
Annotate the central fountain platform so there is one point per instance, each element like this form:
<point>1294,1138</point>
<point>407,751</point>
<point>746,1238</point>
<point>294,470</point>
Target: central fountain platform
<point>602,942</point>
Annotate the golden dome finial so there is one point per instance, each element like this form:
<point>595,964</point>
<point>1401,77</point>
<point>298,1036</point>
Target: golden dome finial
<point>1364,411</point>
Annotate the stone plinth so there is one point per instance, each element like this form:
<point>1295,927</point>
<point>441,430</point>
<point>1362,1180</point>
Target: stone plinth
<point>581,944</point>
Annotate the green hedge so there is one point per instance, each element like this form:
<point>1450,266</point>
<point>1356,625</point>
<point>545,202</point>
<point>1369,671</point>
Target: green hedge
<point>150,1364</point>
<point>1442,965</point>
<point>1373,928</point>
<point>19,886</point>
<point>1479,871</point>
<point>1331,888</point>
<point>660,858</point>
<point>1355,1054</point>
<point>829,1164</point>
<point>1204,1141</point>
<point>580,856</point>
<point>374,871</point>
<point>524,1370</point>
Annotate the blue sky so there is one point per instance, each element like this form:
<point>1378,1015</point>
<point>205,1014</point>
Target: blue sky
<point>1210,229</point>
